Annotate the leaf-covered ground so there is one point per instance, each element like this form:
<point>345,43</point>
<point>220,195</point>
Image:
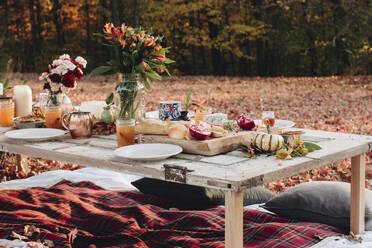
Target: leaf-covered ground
<point>341,104</point>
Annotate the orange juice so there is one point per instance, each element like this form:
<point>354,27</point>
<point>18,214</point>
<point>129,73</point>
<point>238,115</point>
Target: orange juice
<point>271,122</point>
<point>6,115</point>
<point>53,117</point>
<point>125,135</point>
<point>200,115</point>
<point>268,115</point>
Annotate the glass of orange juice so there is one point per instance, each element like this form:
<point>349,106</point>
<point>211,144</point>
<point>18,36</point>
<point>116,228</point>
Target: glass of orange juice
<point>53,117</point>
<point>6,112</point>
<point>268,116</point>
<point>200,113</point>
<point>125,132</point>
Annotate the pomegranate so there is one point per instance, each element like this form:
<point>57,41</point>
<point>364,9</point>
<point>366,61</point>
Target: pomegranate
<point>245,123</point>
<point>199,132</point>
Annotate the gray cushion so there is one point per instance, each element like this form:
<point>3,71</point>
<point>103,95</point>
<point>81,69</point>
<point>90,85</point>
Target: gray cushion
<point>191,197</point>
<point>323,202</point>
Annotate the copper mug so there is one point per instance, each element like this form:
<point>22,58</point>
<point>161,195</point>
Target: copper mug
<point>80,124</point>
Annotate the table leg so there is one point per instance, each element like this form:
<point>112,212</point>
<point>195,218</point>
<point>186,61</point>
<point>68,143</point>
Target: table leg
<point>22,166</point>
<point>357,207</point>
<point>233,219</point>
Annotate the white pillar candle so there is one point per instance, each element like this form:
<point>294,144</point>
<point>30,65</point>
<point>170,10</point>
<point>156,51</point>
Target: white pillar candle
<point>1,89</point>
<point>23,100</point>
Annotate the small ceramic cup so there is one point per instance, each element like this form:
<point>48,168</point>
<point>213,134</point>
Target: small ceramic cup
<point>169,109</point>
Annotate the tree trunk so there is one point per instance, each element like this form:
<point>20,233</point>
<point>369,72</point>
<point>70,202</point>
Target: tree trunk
<point>56,19</point>
<point>115,6</point>
<point>340,50</point>
<point>103,4</point>
<point>87,26</point>
<point>311,38</point>
<point>202,53</point>
<point>213,32</point>
<point>245,65</point>
<point>38,23</point>
<point>136,13</point>
<point>195,67</point>
<point>260,54</point>
<point>232,62</point>
<point>6,18</point>
<point>35,46</point>
<point>24,49</point>
<point>260,57</point>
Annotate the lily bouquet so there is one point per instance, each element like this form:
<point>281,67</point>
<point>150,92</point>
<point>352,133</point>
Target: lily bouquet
<point>135,51</point>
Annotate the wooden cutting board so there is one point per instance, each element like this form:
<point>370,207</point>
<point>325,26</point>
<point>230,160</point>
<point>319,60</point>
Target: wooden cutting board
<point>209,147</point>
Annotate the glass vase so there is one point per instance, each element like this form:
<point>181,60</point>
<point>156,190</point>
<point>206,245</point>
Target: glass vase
<point>130,107</point>
<point>129,98</point>
<point>53,110</point>
<point>54,99</point>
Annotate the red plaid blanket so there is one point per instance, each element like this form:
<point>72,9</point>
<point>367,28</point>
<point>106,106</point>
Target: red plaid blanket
<point>129,219</point>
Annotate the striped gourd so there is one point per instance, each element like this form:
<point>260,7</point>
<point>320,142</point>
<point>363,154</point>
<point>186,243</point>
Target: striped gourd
<point>268,142</point>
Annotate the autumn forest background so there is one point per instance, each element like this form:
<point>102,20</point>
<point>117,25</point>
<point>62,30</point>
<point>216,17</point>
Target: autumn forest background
<point>207,37</point>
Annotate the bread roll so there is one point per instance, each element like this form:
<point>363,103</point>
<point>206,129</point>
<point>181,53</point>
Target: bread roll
<point>177,131</point>
<point>152,126</point>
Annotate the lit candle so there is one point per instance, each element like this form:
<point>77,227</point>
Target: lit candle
<point>23,100</point>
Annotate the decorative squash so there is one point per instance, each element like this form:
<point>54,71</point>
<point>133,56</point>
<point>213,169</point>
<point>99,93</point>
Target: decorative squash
<point>268,142</point>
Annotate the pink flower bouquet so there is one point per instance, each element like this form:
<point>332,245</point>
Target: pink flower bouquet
<point>62,74</point>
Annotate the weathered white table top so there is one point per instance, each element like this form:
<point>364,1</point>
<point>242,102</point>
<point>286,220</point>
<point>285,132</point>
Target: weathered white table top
<point>227,171</point>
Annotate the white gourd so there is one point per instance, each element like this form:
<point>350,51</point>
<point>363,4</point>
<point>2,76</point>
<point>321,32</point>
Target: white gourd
<point>268,142</point>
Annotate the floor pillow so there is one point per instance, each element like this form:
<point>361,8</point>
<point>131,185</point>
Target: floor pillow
<point>189,197</point>
<point>322,201</point>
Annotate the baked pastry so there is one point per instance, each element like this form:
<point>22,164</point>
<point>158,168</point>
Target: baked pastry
<point>218,132</point>
<point>152,126</point>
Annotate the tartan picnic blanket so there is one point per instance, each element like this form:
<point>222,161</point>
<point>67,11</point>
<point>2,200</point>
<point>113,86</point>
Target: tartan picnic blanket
<point>85,215</point>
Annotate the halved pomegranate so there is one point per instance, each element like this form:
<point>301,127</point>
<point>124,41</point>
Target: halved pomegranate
<point>245,123</point>
<point>199,132</point>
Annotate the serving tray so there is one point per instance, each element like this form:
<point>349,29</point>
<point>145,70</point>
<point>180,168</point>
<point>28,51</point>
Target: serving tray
<point>208,147</point>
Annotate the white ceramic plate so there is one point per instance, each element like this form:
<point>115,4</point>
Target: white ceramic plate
<point>35,134</point>
<point>155,114</point>
<point>278,123</point>
<point>148,152</point>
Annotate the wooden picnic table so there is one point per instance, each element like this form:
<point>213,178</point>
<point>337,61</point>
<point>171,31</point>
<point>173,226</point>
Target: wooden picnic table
<point>231,171</point>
